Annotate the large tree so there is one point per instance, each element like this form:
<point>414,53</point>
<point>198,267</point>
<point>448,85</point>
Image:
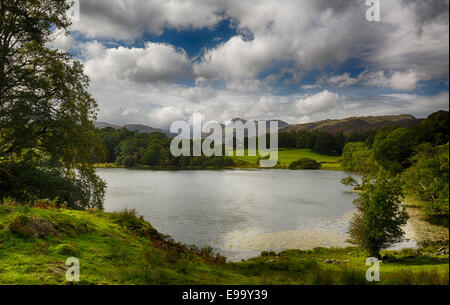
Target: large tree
<point>379,217</point>
<point>46,111</point>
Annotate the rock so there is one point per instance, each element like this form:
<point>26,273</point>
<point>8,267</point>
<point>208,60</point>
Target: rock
<point>441,249</point>
<point>330,261</point>
<point>346,261</point>
<point>33,227</point>
<point>350,253</point>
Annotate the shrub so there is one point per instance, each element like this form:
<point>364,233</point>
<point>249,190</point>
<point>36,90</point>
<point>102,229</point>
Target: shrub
<point>28,183</point>
<point>134,223</point>
<point>379,218</point>
<point>66,249</point>
<point>305,163</point>
<point>428,178</point>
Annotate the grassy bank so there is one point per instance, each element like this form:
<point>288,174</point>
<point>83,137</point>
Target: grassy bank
<point>285,156</point>
<point>288,155</point>
<point>120,248</point>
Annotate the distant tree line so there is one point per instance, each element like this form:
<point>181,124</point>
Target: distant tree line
<point>322,142</point>
<point>132,149</point>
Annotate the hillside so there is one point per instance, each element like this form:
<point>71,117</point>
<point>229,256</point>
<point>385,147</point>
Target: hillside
<point>120,248</point>
<point>131,127</point>
<point>355,124</point>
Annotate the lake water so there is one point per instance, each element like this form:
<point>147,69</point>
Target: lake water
<point>239,213</point>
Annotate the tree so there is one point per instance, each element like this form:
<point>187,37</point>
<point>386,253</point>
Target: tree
<point>350,181</point>
<point>305,163</point>
<point>379,217</point>
<point>434,130</point>
<point>46,111</point>
<point>357,157</point>
<point>326,144</point>
<point>428,178</point>
<point>392,150</point>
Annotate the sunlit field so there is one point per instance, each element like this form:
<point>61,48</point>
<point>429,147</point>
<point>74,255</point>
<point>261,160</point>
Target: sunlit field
<point>288,155</point>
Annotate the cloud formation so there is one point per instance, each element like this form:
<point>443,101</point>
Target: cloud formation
<point>155,62</point>
<point>274,43</point>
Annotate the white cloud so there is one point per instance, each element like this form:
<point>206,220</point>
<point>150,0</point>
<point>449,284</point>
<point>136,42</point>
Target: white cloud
<point>156,62</point>
<point>165,116</point>
<point>130,19</point>
<point>342,81</point>
<point>198,94</point>
<point>397,80</point>
<point>281,39</point>
<point>324,101</point>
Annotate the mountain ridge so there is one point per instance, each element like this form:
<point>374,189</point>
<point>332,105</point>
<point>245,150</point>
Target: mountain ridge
<point>333,126</point>
<point>355,124</point>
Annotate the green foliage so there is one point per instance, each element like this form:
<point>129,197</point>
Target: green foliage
<point>350,181</point>
<point>46,112</point>
<point>428,178</point>
<point>29,183</point>
<point>357,157</point>
<point>392,148</point>
<point>434,130</point>
<point>141,149</point>
<point>305,163</point>
<point>66,249</point>
<point>379,218</point>
<point>320,142</point>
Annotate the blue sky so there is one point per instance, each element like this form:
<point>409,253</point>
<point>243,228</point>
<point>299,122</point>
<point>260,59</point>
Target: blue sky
<point>153,62</point>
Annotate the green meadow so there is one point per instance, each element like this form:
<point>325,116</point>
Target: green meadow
<point>288,155</point>
<point>121,248</point>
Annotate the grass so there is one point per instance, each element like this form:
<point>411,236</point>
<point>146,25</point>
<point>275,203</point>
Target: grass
<point>288,155</point>
<point>285,156</point>
<point>121,248</point>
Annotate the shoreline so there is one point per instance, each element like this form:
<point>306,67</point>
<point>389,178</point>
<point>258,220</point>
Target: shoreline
<point>423,232</point>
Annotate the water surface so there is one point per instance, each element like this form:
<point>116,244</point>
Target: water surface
<point>239,213</point>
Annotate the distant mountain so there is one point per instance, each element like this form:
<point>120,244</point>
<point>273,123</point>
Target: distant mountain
<point>131,127</point>
<point>281,124</point>
<point>101,125</point>
<point>147,129</point>
<point>355,124</point>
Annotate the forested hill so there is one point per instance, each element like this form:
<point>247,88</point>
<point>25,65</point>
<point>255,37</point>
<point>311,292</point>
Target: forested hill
<point>355,124</point>
<point>131,127</point>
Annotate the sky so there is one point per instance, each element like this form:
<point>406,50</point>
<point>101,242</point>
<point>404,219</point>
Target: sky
<point>154,62</point>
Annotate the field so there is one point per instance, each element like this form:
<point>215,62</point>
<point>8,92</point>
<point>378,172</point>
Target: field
<point>287,155</point>
<point>120,248</point>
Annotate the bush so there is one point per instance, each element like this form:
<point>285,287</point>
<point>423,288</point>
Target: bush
<point>305,163</point>
<point>66,249</point>
<point>428,178</point>
<point>28,183</point>
<point>379,218</point>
